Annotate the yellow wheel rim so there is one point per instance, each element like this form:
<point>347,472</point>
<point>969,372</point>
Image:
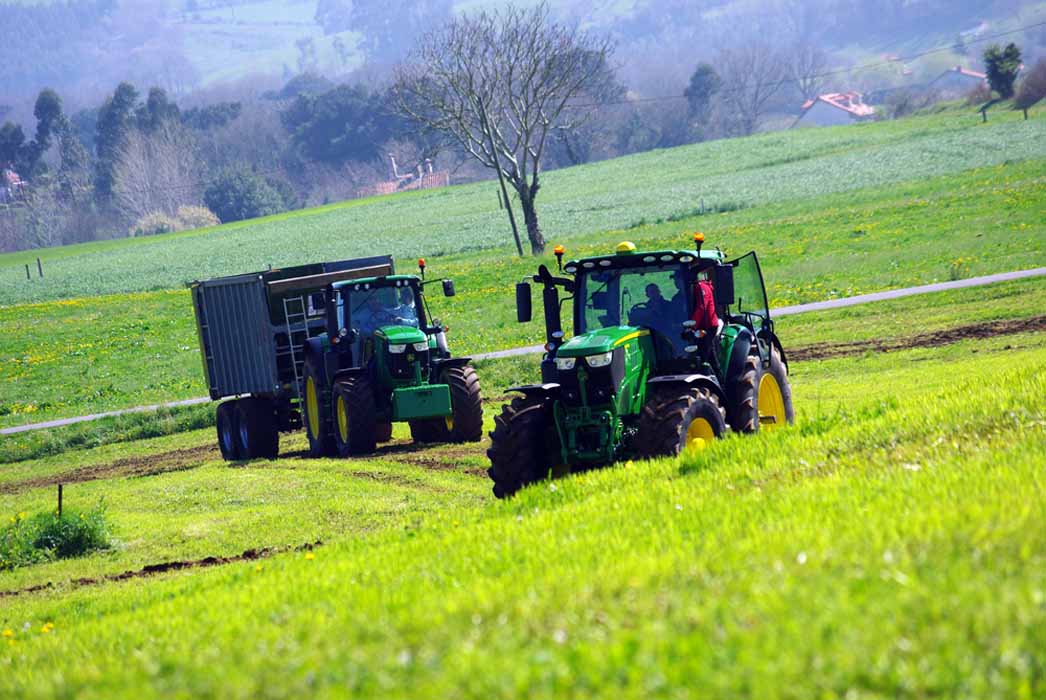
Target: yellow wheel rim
<point>343,420</point>
<point>699,434</point>
<point>449,420</point>
<point>771,403</point>
<point>312,408</point>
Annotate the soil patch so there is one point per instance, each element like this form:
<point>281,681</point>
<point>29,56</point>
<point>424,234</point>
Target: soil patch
<point>164,567</point>
<point>136,466</point>
<point>977,331</point>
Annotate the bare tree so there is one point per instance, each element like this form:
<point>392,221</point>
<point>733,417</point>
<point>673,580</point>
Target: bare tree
<point>498,83</point>
<point>156,172</point>
<point>805,66</point>
<point>751,75</point>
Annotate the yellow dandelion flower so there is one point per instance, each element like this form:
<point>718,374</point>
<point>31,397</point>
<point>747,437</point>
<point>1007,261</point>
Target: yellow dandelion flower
<point>310,556</point>
<point>8,633</point>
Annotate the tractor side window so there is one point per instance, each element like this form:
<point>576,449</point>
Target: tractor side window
<point>749,291</point>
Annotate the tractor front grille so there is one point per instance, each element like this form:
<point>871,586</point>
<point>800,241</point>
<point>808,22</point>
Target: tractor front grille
<point>601,383</point>
<point>401,365</point>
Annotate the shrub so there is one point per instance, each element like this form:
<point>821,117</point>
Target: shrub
<point>196,217</point>
<point>237,194</point>
<point>46,536</point>
<point>152,224</point>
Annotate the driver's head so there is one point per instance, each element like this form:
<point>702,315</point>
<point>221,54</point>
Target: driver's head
<point>653,292</point>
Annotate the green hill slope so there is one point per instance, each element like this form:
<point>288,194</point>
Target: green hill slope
<point>604,196</point>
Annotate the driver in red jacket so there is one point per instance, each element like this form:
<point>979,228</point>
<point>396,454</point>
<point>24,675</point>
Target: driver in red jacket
<point>704,307</point>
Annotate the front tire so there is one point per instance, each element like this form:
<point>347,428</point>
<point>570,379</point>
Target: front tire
<point>672,424</point>
<point>466,419</point>
<point>355,427</point>
<point>520,451</point>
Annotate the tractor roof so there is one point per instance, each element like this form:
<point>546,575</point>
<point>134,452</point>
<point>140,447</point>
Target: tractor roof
<point>630,257</point>
<point>383,281</point>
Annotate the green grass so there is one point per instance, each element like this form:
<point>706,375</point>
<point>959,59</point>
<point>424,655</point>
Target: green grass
<point>754,172</point>
<point>891,545</point>
<point>94,354</point>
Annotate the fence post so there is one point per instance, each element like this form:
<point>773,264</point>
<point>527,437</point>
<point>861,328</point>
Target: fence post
<point>27,275</point>
<point>59,500</point>
<point>40,267</point>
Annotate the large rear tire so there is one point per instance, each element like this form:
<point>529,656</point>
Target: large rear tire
<point>671,424</point>
<point>355,424</point>
<point>257,434</point>
<point>316,403</point>
<point>225,422</point>
<point>761,398</point>
<point>520,446</point>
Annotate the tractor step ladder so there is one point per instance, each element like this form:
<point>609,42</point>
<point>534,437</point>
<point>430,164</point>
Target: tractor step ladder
<point>296,320</point>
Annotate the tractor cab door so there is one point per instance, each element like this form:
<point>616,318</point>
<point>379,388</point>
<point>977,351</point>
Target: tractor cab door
<point>750,306</point>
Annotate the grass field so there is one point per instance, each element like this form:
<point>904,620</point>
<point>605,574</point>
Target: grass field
<point>891,545</point>
<point>660,185</point>
<point>84,355</point>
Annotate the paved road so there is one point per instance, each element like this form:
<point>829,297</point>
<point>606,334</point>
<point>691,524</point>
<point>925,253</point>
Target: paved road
<point>534,349</point>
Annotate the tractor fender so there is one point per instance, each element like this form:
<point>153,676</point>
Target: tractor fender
<point>545,391</point>
<point>742,347</point>
<point>448,362</point>
<point>780,349</point>
<point>703,381</point>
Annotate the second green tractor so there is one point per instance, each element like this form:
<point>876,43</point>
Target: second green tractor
<point>671,349</point>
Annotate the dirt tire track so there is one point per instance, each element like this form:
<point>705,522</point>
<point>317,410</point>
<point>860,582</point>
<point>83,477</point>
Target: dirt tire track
<point>133,467</point>
<point>164,567</point>
<point>977,331</point>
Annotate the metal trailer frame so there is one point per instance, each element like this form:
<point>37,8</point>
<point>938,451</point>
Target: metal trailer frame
<point>252,328</point>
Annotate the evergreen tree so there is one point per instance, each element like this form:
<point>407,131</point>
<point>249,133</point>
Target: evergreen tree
<point>1002,67</point>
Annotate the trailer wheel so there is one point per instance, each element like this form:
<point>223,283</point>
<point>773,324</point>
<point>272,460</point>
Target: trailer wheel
<point>225,422</point>
<point>383,432</point>
<point>355,427</point>
<point>258,436</point>
<point>316,402</point>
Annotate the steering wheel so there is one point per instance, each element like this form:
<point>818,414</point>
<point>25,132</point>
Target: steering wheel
<point>640,309</point>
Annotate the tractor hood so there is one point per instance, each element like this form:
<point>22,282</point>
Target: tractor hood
<point>600,341</point>
<point>400,335</point>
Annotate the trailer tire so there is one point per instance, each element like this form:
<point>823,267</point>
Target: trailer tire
<point>355,426</point>
<point>383,432</point>
<point>225,422</point>
<point>671,424</point>
<point>520,446</point>
<point>258,436</point>
<point>465,423</point>
<point>316,409</point>
<point>424,430</point>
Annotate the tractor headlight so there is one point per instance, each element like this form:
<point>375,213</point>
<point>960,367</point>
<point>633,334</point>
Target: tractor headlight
<point>397,349</point>
<point>423,346</point>
<point>601,360</point>
<point>565,364</point>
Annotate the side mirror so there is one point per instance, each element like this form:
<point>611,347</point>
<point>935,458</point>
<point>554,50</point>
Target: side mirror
<point>523,302</point>
<point>448,288</point>
<point>724,285</point>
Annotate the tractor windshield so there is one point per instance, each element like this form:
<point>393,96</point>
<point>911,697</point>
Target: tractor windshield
<point>651,296</point>
<point>373,308</point>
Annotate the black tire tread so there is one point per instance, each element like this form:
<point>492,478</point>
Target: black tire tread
<point>519,453</point>
<point>466,401</point>
<point>358,395</point>
<point>666,416</point>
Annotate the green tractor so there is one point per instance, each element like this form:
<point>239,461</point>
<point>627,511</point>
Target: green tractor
<point>382,360</point>
<point>671,349</point>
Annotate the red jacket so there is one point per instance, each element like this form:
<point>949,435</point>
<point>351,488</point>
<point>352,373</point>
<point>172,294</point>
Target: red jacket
<point>704,306</point>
